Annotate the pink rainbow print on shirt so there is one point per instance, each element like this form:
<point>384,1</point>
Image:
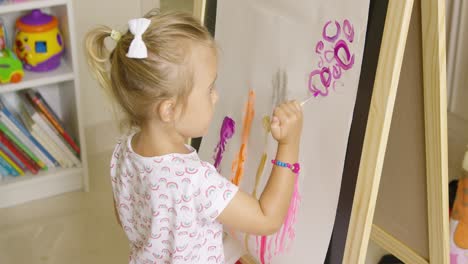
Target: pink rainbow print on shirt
<point>199,208</point>
<point>186,224</point>
<point>186,198</point>
<point>211,248</point>
<point>172,185</point>
<point>158,160</point>
<point>219,233</point>
<point>148,169</point>
<point>191,170</point>
<point>154,187</point>
<point>181,248</point>
<point>172,210</point>
<point>183,233</point>
<point>214,214</point>
<point>208,173</point>
<point>208,205</point>
<point>171,234</point>
<point>186,180</point>
<point>227,194</point>
<point>179,173</point>
<point>178,160</point>
<point>197,246</point>
<point>210,190</point>
<point>124,206</point>
<point>164,220</point>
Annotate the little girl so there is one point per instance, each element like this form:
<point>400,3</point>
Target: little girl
<point>170,203</point>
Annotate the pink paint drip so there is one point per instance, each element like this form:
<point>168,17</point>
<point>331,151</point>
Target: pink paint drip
<point>263,249</point>
<point>286,235</point>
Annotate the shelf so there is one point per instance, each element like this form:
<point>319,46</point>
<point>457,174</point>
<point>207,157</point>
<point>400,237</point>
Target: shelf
<point>17,190</point>
<point>28,5</point>
<point>34,79</point>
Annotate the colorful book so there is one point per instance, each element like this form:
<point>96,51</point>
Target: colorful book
<point>40,104</point>
<point>10,171</point>
<point>40,136</point>
<point>12,156</point>
<point>18,143</point>
<point>12,165</point>
<point>42,152</point>
<point>50,132</point>
<point>55,150</point>
<point>29,163</point>
<point>26,141</point>
<point>4,172</point>
<point>7,122</point>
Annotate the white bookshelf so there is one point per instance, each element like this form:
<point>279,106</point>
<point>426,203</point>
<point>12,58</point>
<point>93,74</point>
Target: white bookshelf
<point>60,88</point>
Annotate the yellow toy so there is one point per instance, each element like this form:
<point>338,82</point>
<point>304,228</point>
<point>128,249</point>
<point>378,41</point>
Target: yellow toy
<point>38,42</point>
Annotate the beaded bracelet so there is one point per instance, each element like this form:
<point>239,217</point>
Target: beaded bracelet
<point>294,167</point>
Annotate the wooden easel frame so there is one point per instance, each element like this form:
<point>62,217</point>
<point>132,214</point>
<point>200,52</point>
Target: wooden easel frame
<point>378,126</point>
<point>391,55</point>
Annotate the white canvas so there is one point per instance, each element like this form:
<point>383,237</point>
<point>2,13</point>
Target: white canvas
<point>271,47</point>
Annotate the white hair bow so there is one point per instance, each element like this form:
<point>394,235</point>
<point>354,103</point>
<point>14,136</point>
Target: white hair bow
<point>138,48</point>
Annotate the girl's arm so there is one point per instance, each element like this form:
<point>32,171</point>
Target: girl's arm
<point>266,215</point>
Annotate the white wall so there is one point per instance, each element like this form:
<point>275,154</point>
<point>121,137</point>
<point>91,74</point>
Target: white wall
<point>457,83</point>
<point>99,120</point>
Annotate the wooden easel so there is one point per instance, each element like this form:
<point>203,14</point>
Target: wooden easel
<point>377,134</point>
<point>387,79</point>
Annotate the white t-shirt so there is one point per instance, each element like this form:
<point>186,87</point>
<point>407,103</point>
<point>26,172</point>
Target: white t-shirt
<point>168,206</point>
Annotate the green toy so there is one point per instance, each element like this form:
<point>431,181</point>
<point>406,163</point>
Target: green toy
<point>11,68</point>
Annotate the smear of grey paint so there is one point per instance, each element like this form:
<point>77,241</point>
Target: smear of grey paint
<point>280,89</point>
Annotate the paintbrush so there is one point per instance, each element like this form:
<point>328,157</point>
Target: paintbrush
<point>306,100</point>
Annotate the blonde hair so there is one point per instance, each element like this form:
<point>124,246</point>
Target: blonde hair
<point>137,84</point>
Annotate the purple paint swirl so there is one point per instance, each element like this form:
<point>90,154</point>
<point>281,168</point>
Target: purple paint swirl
<point>334,37</point>
<point>335,57</point>
<point>336,72</point>
<point>319,47</point>
<point>348,30</point>
<point>341,44</point>
<point>226,132</point>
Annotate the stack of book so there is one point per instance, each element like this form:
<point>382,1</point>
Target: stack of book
<point>33,138</point>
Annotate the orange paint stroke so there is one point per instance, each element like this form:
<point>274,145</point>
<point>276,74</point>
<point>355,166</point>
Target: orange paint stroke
<point>238,164</point>
<point>260,169</point>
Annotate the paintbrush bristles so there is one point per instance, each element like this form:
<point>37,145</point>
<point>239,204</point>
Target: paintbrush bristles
<point>306,100</point>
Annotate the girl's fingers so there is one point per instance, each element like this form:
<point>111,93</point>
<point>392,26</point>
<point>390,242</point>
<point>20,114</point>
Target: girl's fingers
<point>289,110</point>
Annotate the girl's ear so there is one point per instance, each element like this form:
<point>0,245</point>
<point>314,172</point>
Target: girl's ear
<point>166,110</point>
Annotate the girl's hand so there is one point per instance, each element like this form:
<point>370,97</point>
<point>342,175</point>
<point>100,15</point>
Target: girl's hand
<point>286,124</point>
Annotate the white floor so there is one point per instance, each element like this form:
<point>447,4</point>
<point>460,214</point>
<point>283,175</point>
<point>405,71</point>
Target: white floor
<point>72,228</point>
